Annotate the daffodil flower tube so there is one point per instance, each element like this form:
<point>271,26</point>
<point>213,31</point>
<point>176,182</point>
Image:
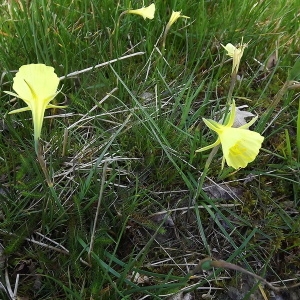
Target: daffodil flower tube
<point>240,145</point>
<point>36,85</point>
<point>145,12</point>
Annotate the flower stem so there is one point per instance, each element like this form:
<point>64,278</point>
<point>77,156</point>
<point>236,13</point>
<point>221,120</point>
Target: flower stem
<point>209,263</point>
<point>231,88</point>
<point>43,163</point>
<point>204,173</point>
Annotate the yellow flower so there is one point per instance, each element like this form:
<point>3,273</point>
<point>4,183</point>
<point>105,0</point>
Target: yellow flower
<point>145,12</point>
<point>240,146</point>
<point>236,54</point>
<point>36,85</point>
<point>174,17</point>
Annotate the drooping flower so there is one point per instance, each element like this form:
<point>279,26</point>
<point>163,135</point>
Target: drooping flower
<point>174,17</point>
<point>145,12</point>
<point>36,85</point>
<point>236,53</point>
<point>240,146</point>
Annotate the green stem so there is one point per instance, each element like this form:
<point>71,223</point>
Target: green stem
<point>231,88</point>
<point>43,163</point>
<point>204,173</point>
<point>208,263</point>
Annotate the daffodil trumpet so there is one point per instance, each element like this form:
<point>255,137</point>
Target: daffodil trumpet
<point>36,85</point>
<point>240,145</point>
<point>145,12</point>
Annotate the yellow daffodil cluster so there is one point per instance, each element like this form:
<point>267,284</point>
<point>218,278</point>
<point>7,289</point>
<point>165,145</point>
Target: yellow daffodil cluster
<point>37,84</point>
<point>240,145</point>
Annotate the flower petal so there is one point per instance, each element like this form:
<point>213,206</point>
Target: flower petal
<point>16,111</point>
<point>230,49</point>
<point>213,125</point>
<point>247,125</point>
<point>216,143</point>
<point>231,115</point>
<point>56,106</point>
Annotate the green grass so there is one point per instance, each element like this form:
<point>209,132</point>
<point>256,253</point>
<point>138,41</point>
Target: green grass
<point>124,150</point>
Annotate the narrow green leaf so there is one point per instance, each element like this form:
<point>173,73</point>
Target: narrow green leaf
<point>294,73</point>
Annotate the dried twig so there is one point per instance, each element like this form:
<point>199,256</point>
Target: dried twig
<point>8,286</point>
<point>100,65</point>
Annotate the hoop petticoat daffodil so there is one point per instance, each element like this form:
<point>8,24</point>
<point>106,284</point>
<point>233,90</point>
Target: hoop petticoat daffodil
<point>236,54</point>
<point>174,17</point>
<point>36,85</point>
<point>240,146</point>
<point>145,12</point>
